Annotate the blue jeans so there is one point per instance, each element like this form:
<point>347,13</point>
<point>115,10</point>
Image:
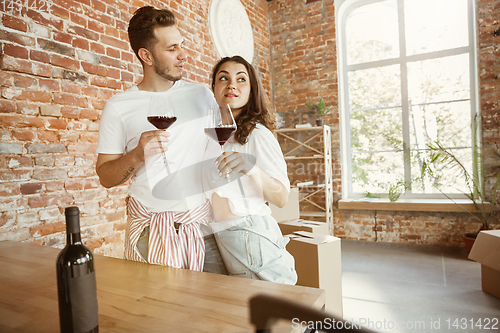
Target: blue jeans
<point>255,248</point>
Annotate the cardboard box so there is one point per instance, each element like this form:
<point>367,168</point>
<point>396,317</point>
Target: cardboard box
<point>291,209</point>
<point>318,265</point>
<point>315,227</point>
<point>289,219</point>
<point>486,251</point>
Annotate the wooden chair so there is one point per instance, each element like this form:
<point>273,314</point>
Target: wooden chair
<point>265,310</point>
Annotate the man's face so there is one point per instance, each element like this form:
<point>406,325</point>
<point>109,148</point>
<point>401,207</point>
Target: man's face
<point>168,53</point>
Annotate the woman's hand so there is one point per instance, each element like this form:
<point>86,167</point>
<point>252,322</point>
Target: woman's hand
<point>271,189</point>
<point>231,163</point>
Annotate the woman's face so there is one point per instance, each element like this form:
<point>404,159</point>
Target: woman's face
<point>232,86</point>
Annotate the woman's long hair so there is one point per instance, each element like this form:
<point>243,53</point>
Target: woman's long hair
<point>257,109</point>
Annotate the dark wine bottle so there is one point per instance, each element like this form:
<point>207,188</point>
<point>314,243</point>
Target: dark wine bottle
<point>76,284</point>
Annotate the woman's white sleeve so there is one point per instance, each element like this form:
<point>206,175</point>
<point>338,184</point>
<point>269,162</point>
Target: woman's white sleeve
<point>269,156</point>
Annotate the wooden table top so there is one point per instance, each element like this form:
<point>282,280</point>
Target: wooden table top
<point>133,296</point>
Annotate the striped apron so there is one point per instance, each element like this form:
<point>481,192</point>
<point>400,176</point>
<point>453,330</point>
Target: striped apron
<point>185,249</point>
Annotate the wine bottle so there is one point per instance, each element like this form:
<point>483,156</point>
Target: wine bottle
<point>76,284</point>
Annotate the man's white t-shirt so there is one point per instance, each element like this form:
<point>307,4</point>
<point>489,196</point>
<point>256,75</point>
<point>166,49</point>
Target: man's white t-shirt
<point>177,187</point>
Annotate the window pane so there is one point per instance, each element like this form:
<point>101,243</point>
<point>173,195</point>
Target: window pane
<point>447,123</point>
<point>376,130</point>
<point>437,87</point>
<point>450,125</point>
<point>372,32</point>
<point>436,80</point>
<point>375,172</point>
<point>374,88</point>
<point>445,180</point>
<point>434,25</point>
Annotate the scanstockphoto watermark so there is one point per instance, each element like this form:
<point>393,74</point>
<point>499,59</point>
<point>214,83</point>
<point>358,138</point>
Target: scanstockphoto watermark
<point>420,325</point>
<point>330,323</point>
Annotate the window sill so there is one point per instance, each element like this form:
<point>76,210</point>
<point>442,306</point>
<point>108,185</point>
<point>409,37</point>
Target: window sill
<point>416,205</point>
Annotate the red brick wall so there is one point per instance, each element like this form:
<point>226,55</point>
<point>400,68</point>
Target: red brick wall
<point>304,68</point>
<point>57,72</point>
<point>304,57</point>
<point>489,87</point>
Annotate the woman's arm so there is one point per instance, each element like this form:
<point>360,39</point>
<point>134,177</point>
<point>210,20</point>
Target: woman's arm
<point>273,191</point>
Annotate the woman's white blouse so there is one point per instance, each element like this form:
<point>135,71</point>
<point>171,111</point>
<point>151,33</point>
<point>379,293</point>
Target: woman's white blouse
<point>243,195</point>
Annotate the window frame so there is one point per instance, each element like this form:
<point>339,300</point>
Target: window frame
<point>343,9</point>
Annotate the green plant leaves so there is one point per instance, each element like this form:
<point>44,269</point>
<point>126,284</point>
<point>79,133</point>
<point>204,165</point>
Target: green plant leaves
<point>320,108</point>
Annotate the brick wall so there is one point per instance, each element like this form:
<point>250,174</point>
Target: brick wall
<point>57,72</point>
<point>489,74</point>
<point>304,68</point>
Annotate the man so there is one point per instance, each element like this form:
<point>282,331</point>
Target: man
<point>163,216</point>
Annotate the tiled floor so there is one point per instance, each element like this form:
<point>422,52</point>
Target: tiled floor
<point>413,288</point>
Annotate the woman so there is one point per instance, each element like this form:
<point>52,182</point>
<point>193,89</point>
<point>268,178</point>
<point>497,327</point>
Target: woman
<point>249,239</point>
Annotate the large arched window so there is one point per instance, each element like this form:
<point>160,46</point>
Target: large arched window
<point>407,74</point>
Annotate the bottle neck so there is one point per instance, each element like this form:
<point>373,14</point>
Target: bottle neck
<point>73,229</point>
<point>73,238</point>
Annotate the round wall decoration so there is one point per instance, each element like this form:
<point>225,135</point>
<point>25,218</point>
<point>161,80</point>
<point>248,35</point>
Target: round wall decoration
<point>230,29</point>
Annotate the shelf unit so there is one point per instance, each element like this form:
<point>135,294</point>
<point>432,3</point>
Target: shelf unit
<point>305,149</point>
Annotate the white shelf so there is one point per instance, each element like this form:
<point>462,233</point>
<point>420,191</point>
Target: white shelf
<point>302,157</point>
<point>312,185</point>
<point>313,214</point>
<point>305,142</point>
<point>315,128</point>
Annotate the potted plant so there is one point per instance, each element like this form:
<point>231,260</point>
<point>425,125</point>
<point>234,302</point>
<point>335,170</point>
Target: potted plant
<point>318,110</point>
<point>394,191</point>
<point>477,191</point>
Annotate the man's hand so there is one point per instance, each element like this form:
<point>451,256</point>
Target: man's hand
<point>151,143</point>
<point>115,169</point>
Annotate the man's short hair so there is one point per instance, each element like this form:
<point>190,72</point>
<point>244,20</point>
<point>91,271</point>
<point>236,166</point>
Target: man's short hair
<point>142,26</point>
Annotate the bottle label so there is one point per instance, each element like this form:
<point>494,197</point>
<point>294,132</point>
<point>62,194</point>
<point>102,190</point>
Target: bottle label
<point>83,296</point>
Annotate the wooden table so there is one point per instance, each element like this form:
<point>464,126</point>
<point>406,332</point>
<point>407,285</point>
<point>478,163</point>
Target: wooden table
<point>134,297</point>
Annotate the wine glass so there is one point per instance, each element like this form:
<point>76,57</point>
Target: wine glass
<point>161,115</point>
<point>220,124</point>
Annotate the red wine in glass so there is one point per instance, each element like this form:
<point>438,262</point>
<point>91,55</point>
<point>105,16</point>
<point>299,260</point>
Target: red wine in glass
<point>220,125</point>
<point>161,115</point>
<point>162,122</point>
<point>220,134</point>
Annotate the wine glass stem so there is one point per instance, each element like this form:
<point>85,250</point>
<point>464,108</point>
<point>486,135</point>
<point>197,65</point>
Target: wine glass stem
<point>166,162</point>
<point>225,161</point>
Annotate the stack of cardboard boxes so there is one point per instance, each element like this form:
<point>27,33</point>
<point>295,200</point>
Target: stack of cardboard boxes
<point>316,253</point>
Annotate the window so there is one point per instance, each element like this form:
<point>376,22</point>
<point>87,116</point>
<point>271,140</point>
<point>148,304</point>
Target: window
<point>407,73</point>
